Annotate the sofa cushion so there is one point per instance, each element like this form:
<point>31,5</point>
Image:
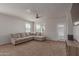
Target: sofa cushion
<point>19,35</point>
<point>26,36</point>
<point>24,39</point>
<point>28,33</point>
<point>38,33</point>
<point>40,38</point>
<point>23,34</point>
<point>19,39</point>
<point>14,36</point>
<point>31,34</point>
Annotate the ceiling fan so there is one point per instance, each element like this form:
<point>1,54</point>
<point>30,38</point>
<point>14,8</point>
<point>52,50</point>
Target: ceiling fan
<point>37,14</point>
<point>35,11</point>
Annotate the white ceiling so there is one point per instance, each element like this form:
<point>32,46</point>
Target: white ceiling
<point>27,10</point>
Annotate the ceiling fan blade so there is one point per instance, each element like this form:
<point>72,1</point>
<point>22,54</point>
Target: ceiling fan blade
<point>37,16</point>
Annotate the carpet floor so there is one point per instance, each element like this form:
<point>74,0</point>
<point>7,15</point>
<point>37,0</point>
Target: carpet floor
<point>34,48</point>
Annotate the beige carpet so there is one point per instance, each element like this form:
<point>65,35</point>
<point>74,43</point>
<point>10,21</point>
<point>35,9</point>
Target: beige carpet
<point>34,48</point>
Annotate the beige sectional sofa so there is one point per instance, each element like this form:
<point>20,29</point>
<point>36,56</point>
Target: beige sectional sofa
<point>24,37</point>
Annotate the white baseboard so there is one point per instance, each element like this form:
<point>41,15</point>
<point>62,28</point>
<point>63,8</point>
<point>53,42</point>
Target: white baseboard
<point>2,43</point>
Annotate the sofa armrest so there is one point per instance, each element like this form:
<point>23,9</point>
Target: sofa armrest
<point>13,40</point>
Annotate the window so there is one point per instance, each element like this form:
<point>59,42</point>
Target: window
<point>40,28</point>
<point>28,27</point>
<point>61,31</point>
<point>76,23</point>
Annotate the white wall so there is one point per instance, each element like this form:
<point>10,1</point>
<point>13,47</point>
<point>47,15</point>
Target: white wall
<point>51,23</point>
<point>10,24</point>
<point>51,26</point>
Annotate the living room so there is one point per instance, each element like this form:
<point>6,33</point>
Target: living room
<point>38,29</point>
<point>16,22</point>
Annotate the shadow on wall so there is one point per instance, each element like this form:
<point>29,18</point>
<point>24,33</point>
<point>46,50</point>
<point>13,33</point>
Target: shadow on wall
<point>3,37</point>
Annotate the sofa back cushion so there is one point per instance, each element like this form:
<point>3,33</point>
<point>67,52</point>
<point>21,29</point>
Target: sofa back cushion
<point>25,34</point>
<point>31,34</point>
<point>38,34</point>
<point>14,36</point>
<point>19,35</point>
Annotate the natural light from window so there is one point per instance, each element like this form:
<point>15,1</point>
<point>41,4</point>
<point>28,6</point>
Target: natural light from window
<point>61,31</point>
<point>40,28</point>
<point>76,23</point>
<point>28,27</point>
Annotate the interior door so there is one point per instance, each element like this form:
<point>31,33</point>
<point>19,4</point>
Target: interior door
<point>76,32</point>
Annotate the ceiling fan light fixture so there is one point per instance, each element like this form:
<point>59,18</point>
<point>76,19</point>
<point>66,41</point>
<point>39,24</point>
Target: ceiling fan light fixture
<point>37,16</point>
